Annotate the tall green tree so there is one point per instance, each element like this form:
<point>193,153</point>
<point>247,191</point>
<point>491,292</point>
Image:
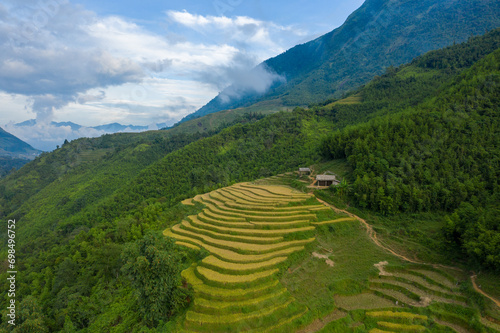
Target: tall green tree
<point>153,264</point>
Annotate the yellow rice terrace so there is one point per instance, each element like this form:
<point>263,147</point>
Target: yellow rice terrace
<point>249,231</point>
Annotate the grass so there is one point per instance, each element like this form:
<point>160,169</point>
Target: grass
<point>277,190</point>
<point>232,256</point>
<point>255,191</point>
<point>254,232</point>
<point>203,217</point>
<point>224,294</point>
<point>439,277</point>
<point>222,207</point>
<point>290,217</point>
<point>244,207</point>
<point>283,322</point>
<point>225,266</point>
<point>339,166</point>
<point>225,195</point>
<point>394,295</point>
<point>191,246</point>
<point>231,280</point>
<point>244,194</point>
<point>334,221</point>
<point>437,295</point>
<point>362,301</point>
<point>490,283</point>
<point>401,327</point>
<point>242,248</point>
<point>282,225</point>
<point>314,284</point>
<point>417,280</point>
<point>218,307</point>
<point>188,202</point>
<point>399,315</point>
<point>233,318</point>
<point>221,217</point>
<point>249,214</point>
<point>401,288</point>
<point>245,239</point>
<point>429,280</point>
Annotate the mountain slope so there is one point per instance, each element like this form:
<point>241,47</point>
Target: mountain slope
<point>15,147</point>
<point>14,153</point>
<point>379,34</point>
<point>75,212</point>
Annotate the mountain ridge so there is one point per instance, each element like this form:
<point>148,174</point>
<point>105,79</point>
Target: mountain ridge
<point>343,59</point>
<point>14,153</point>
<point>12,146</point>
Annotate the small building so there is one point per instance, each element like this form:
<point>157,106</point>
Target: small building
<point>304,171</point>
<point>326,180</point>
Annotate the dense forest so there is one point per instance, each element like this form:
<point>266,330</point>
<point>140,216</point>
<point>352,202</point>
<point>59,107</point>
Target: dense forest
<point>423,136</point>
<point>8,164</point>
<point>435,156</point>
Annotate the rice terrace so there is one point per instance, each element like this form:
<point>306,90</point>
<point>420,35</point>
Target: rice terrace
<point>280,260</point>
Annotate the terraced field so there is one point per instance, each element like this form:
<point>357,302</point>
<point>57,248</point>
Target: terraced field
<point>417,286</point>
<point>249,231</point>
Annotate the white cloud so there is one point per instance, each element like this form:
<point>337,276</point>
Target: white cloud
<point>64,63</point>
<point>46,136</point>
<point>265,38</point>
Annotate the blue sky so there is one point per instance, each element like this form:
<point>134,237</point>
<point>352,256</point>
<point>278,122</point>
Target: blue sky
<point>139,62</point>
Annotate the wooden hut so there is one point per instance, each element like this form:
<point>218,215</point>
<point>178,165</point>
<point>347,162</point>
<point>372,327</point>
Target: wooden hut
<point>326,180</point>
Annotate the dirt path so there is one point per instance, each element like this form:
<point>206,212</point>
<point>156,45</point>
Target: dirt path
<point>320,323</point>
<point>369,229</point>
<point>373,236</point>
<point>476,288</point>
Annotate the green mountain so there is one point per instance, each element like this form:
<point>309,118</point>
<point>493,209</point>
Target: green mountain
<point>85,211</point>
<point>14,152</point>
<point>15,147</point>
<point>381,33</point>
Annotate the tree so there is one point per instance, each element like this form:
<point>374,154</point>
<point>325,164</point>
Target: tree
<point>153,264</point>
<point>31,318</point>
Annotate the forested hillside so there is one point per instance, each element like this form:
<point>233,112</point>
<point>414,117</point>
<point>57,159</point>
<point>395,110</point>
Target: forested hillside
<point>439,155</point>
<point>85,211</point>
<point>379,34</point>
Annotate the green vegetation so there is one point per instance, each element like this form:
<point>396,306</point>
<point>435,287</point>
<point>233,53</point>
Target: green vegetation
<point>243,263</point>
<point>15,147</point>
<point>153,265</point>
<point>437,155</point>
<point>417,150</point>
<point>380,34</point>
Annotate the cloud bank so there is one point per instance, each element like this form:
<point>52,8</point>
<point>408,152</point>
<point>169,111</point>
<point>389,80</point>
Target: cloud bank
<point>59,61</point>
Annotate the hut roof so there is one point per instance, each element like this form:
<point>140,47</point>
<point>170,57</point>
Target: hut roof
<point>304,170</point>
<point>325,177</point>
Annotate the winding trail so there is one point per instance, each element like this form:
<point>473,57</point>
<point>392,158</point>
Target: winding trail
<point>369,229</point>
<point>476,288</point>
<point>373,236</point>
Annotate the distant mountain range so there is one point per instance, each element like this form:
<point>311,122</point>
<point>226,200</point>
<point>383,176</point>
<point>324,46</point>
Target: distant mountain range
<point>47,137</point>
<point>379,34</point>
<point>111,128</point>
